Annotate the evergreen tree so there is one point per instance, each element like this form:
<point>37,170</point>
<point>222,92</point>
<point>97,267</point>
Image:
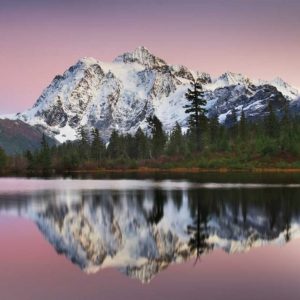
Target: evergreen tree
<point>232,123</point>
<point>30,159</point>
<point>141,144</point>
<point>242,126</point>
<point>116,146</point>
<point>214,128</point>
<point>45,155</point>
<point>3,159</point>
<point>83,135</point>
<point>195,108</point>
<point>158,140</point>
<point>97,146</point>
<point>176,145</point>
<point>287,139</point>
<point>234,118</point>
<point>130,146</point>
<point>271,123</point>
<point>83,140</point>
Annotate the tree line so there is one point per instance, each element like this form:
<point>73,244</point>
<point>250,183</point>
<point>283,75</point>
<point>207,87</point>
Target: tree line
<point>204,143</point>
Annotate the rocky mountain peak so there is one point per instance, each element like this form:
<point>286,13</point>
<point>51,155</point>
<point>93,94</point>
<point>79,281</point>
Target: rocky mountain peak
<point>286,89</point>
<point>122,94</point>
<point>230,78</point>
<point>142,56</point>
<point>87,61</point>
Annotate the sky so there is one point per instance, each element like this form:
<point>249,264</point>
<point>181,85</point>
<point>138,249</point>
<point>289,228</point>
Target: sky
<point>39,38</point>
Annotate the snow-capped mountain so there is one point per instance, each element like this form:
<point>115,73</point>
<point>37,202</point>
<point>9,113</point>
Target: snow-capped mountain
<point>121,94</point>
<point>142,232</point>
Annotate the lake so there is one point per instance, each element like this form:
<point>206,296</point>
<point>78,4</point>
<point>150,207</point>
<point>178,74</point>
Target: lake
<point>166,237</point>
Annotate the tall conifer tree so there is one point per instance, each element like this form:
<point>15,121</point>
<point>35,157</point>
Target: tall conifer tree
<point>97,147</point>
<point>196,109</point>
<point>159,138</point>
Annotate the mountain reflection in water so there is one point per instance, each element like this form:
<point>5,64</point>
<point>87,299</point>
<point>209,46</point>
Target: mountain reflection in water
<point>142,232</point>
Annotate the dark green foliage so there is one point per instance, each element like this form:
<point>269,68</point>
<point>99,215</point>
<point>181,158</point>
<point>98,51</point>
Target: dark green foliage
<point>288,132</point>
<point>271,123</point>
<point>158,139</point>
<point>195,109</point>
<point>116,147</point>
<point>97,147</point>
<point>232,122</point>
<point>274,141</point>
<point>83,139</point>
<point>113,148</point>
<point>234,118</point>
<point>83,135</point>
<point>3,159</point>
<point>45,155</point>
<point>141,145</point>
<point>242,126</point>
<point>214,130</point>
<point>176,144</point>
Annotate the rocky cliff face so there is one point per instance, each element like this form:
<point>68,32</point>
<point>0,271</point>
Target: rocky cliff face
<point>120,95</point>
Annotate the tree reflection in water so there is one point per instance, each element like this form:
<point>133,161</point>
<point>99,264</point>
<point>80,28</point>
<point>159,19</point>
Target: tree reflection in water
<point>141,232</point>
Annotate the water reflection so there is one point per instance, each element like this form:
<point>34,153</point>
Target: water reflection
<point>142,232</point>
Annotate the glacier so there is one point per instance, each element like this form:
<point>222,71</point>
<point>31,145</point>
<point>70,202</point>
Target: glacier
<point>121,95</point>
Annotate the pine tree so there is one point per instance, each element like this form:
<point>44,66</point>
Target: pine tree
<point>271,123</point>
<point>45,155</point>
<point>232,122</point>
<point>242,126</point>
<point>83,135</point>
<point>83,139</point>
<point>176,145</point>
<point>234,118</point>
<point>195,108</point>
<point>97,146</point>
<point>30,159</point>
<point>286,130</point>
<point>158,140</point>
<point>130,146</point>
<point>3,159</point>
<point>141,144</point>
<point>214,128</point>
<point>115,148</point>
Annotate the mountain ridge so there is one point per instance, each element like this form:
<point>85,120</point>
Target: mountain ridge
<point>17,136</point>
<point>123,93</point>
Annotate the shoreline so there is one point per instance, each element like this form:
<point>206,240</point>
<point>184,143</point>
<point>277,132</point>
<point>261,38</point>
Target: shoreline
<point>183,170</point>
<point>149,171</point>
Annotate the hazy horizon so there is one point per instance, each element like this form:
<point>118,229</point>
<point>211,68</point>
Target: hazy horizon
<point>40,39</point>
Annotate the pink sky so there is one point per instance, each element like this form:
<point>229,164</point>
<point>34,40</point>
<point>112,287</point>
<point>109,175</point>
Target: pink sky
<point>39,39</point>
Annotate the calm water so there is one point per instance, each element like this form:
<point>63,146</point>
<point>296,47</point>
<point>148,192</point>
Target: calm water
<point>150,239</point>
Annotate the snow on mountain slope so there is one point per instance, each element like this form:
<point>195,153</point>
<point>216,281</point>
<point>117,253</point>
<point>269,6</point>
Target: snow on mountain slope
<point>228,79</point>
<point>121,94</point>
<point>286,89</point>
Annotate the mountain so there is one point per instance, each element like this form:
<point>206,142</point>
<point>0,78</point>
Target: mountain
<point>142,232</point>
<point>121,94</point>
<point>17,136</point>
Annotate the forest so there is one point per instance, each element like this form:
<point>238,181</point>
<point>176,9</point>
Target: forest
<point>239,143</point>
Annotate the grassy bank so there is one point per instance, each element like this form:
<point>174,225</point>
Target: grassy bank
<point>196,163</point>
